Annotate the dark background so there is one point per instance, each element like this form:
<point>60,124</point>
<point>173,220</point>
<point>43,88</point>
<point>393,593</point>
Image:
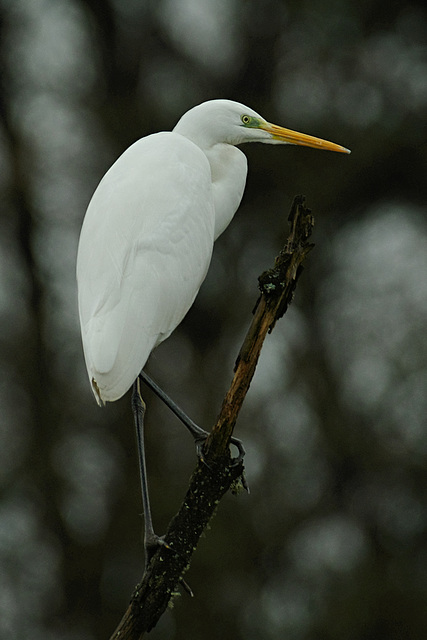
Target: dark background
<point>332,542</point>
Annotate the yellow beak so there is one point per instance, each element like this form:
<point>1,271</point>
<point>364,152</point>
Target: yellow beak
<point>293,137</point>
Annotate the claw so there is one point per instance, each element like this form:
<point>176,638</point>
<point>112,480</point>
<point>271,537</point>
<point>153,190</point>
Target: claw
<point>151,544</point>
<point>200,441</point>
<point>186,587</point>
<point>241,449</point>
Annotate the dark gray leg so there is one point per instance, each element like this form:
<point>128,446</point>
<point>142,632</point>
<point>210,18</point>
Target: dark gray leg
<point>197,432</point>
<point>151,540</point>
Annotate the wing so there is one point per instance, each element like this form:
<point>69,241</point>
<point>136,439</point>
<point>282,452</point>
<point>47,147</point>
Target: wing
<point>144,250</point>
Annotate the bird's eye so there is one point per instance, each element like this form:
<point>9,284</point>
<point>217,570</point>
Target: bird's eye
<point>246,119</point>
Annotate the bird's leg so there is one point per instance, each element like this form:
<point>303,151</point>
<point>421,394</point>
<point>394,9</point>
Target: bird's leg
<point>151,540</point>
<point>197,432</point>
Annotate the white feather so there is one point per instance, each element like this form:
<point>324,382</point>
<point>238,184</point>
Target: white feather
<point>147,238</point>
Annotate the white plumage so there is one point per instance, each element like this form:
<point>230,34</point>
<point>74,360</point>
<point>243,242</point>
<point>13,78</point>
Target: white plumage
<point>148,234</point>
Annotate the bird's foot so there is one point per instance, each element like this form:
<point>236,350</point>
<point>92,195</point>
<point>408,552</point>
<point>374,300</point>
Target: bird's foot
<point>200,440</point>
<point>151,543</point>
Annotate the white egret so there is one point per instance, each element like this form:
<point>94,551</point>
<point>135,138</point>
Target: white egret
<point>148,234</point>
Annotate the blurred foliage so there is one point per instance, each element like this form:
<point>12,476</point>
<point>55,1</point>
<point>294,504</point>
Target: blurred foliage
<point>331,543</point>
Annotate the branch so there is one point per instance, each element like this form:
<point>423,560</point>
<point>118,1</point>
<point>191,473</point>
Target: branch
<point>277,286</point>
<point>217,473</point>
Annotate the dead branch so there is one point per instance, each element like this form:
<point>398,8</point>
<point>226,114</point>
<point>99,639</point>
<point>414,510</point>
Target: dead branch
<point>217,473</point>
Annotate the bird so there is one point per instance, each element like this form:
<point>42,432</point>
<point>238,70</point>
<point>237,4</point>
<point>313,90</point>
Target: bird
<point>148,234</point>
<point>149,231</point>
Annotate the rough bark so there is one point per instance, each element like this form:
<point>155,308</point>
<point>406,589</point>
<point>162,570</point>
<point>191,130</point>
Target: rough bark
<point>218,472</point>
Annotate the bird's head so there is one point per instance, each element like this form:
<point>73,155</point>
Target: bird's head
<point>225,121</point>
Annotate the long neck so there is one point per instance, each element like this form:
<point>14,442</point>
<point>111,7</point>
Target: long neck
<point>229,170</point>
